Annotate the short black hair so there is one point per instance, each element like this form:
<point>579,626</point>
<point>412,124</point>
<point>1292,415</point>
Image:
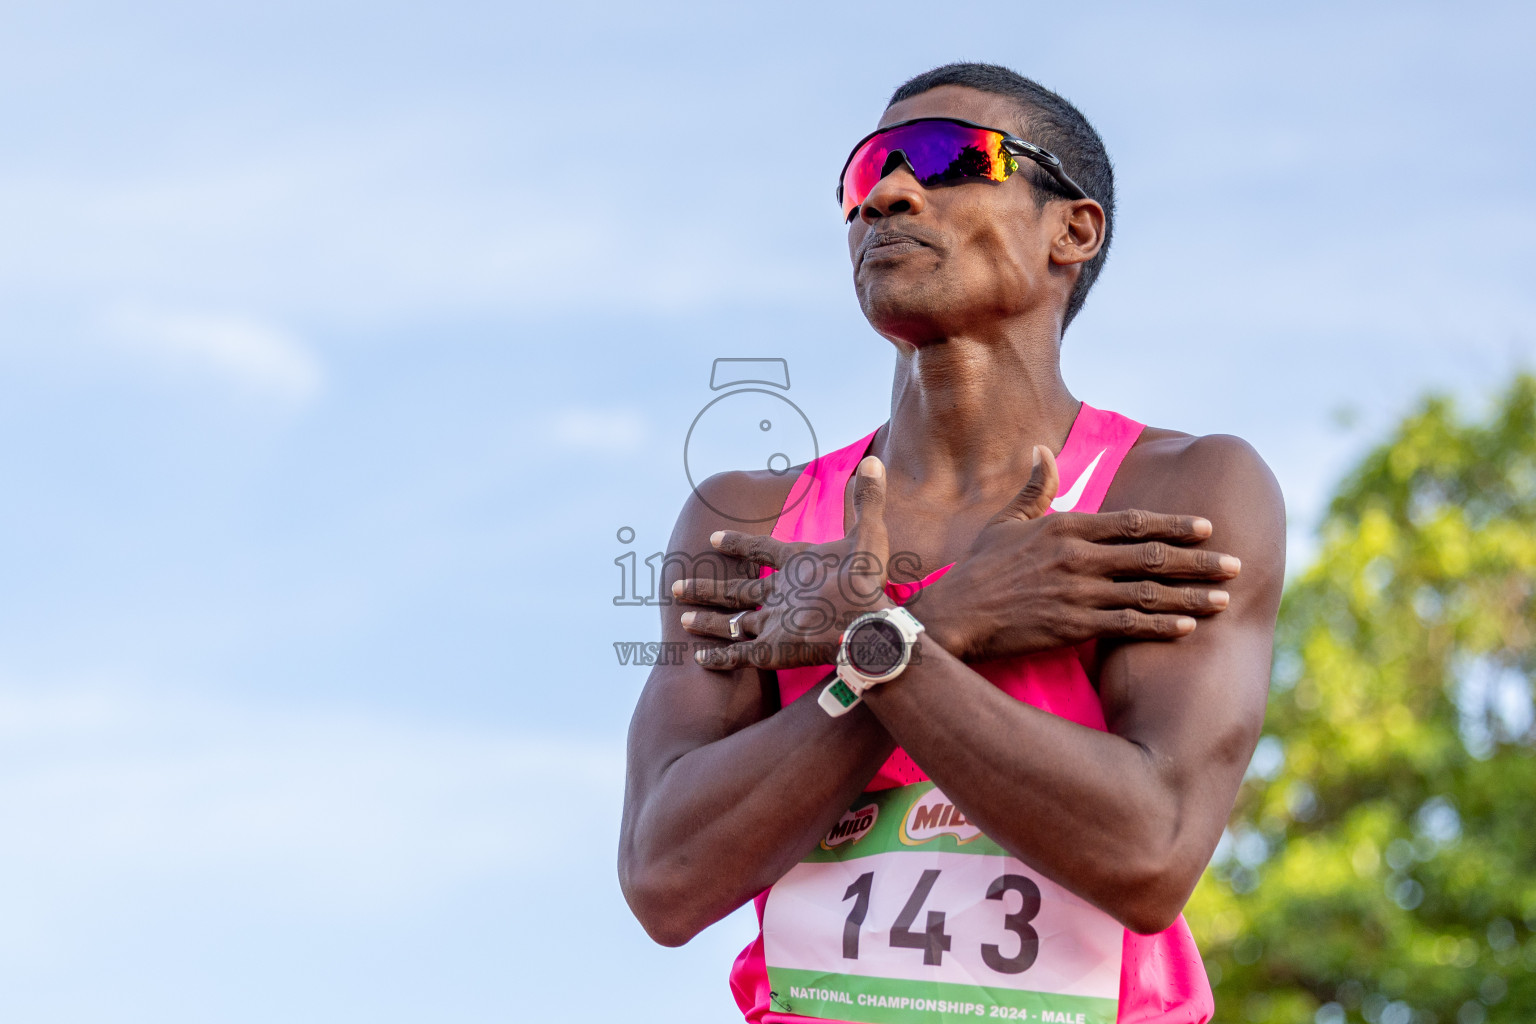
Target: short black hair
<point>1053,123</point>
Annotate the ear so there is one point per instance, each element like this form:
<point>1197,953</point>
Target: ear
<point>1080,233</point>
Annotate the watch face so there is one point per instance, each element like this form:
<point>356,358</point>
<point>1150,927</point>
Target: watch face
<point>876,647</point>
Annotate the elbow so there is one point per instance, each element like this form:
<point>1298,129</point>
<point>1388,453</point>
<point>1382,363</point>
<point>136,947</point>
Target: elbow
<point>1150,917</point>
<point>1150,906</point>
<point>1148,888</point>
<point>1149,901</point>
<point>662,909</point>
<point>664,925</point>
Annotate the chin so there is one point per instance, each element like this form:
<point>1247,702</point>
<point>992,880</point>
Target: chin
<point>884,296</point>
<point>905,322</point>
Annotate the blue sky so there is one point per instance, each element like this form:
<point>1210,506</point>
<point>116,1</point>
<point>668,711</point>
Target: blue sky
<point>338,341</point>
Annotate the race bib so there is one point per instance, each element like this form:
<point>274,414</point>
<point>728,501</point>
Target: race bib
<point>907,914</point>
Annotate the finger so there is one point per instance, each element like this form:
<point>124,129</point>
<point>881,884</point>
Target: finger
<point>869,508</point>
<point>1148,596</point>
<point>1160,560</point>
<point>718,624</point>
<point>723,593</point>
<point>1137,524</point>
<point>754,547</point>
<point>1130,624</point>
<point>1035,497</point>
<point>731,656</point>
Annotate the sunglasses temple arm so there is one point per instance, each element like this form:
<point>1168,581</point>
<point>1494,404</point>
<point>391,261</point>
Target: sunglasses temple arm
<point>1055,170</point>
<point>1051,165</point>
<point>1066,181</point>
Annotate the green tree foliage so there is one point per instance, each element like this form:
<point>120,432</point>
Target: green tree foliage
<point>1381,863</point>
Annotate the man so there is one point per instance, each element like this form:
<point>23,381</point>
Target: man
<point>1001,802</point>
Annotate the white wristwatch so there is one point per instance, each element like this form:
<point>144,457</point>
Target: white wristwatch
<point>876,648</point>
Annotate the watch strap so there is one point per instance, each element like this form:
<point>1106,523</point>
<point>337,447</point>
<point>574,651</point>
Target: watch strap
<point>838,698</point>
<point>845,692</point>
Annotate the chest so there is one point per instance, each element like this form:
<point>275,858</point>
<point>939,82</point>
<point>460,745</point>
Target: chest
<point>924,536</point>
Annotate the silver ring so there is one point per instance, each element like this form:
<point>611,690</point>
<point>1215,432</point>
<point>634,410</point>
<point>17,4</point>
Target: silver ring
<point>735,622</point>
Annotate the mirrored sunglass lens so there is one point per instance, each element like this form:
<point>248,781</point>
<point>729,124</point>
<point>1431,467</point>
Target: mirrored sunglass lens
<point>950,153</point>
<point>867,167</point>
<point>939,152</point>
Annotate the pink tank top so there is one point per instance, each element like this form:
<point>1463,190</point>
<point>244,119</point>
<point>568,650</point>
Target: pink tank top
<point>1162,978</point>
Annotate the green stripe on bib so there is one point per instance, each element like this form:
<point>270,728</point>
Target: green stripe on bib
<point>895,1001</point>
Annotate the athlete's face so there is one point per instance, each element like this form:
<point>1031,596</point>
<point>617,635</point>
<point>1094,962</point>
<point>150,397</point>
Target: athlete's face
<point>930,263</point>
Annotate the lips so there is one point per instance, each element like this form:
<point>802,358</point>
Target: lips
<point>887,243</point>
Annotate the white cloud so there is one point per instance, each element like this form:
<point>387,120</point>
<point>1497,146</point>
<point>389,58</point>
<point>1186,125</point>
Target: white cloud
<point>254,356</point>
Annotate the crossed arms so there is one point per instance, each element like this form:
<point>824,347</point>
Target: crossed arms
<point>727,791</point>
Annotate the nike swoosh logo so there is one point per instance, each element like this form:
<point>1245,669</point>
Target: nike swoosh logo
<point>1067,502</point>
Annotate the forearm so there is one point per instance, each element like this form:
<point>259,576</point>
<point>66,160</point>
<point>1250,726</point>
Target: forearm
<point>947,620</point>
<point>728,818</point>
<point>1096,812</point>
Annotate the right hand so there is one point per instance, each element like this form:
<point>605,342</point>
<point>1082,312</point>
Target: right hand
<point>1033,582</point>
<point>795,616</point>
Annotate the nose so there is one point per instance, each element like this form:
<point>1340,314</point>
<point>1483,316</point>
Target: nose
<point>896,192</point>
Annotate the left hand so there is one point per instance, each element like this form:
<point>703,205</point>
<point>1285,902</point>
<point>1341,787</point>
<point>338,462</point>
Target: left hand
<point>1032,582</point>
<point>794,617</point>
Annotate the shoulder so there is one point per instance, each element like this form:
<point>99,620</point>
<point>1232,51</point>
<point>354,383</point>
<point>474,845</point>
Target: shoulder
<point>1219,477</point>
<point>748,501</point>
<point>1170,466</point>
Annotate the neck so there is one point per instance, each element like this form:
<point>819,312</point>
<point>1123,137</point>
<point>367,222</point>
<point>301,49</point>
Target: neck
<point>966,414</point>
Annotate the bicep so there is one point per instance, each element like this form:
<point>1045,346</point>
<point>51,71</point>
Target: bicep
<point>684,706</point>
<point>1196,705</point>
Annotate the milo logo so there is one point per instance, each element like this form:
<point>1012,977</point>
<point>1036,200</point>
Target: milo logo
<point>931,816</point>
<point>852,826</point>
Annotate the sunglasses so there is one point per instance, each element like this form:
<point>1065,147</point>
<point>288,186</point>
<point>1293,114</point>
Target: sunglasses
<point>940,151</point>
